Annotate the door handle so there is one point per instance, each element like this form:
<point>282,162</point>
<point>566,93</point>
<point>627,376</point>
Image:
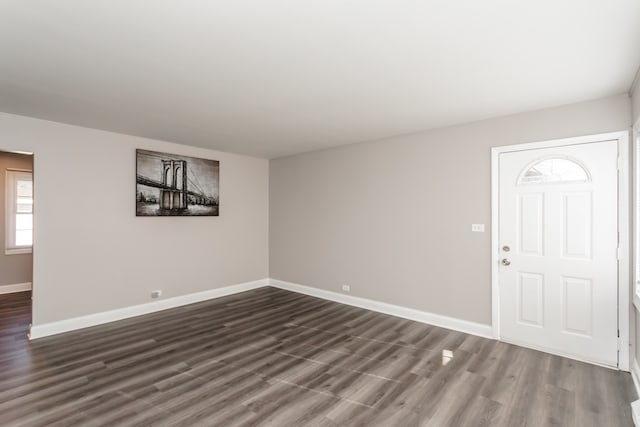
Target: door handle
<point>505,261</point>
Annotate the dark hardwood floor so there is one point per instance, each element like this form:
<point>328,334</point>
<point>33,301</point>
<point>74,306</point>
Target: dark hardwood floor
<point>269,357</point>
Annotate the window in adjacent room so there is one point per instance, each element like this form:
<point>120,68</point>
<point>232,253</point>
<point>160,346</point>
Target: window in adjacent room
<point>19,213</point>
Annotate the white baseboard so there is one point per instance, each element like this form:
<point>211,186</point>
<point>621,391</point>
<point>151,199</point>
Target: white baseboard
<point>18,287</point>
<point>67,325</point>
<point>394,310</point>
<point>44,330</point>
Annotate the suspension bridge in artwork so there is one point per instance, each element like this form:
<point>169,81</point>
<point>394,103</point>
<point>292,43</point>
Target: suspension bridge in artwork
<point>177,189</point>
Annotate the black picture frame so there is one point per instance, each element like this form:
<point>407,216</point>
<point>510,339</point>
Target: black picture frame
<point>176,185</point>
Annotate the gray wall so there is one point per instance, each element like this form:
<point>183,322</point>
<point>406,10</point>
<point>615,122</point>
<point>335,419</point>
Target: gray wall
<point>92,254</point>
<point>392,218</point>
<point>14,269</point>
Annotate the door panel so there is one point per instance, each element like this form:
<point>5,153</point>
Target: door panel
<point>576,225</point>
<point>531,224</point>
<point>577,299</point>
<point>558,219</point>
<point>531,302</point>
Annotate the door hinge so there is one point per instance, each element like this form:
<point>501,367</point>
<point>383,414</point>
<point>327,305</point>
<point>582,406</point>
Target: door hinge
<point>619,163</point>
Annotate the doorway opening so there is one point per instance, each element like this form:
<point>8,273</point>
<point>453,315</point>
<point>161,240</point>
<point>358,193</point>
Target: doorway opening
<point>16,257</point>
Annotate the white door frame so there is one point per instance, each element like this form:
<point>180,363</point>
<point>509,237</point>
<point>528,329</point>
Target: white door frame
<point>624,252</point>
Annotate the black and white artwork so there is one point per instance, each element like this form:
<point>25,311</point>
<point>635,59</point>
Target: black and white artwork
<point>173,185</point>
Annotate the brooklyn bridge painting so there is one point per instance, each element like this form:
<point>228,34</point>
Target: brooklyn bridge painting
<point>173,185</point>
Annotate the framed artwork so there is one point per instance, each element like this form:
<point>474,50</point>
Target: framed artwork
<point>174,185</point>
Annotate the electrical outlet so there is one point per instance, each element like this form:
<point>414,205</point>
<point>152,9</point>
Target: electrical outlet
<point>346,288</point>
<point>156,293</point>
<point>477,228</point>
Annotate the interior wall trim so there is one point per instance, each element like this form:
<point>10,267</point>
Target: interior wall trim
<point>67,325</point>
<point>455,324</point>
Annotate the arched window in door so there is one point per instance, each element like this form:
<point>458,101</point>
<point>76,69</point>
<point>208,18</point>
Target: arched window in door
<point>554,170</point>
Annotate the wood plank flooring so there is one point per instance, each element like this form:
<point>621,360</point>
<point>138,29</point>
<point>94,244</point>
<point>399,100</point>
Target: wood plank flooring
<point>269,357</point>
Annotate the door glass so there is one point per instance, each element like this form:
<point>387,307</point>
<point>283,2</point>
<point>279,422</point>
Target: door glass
<point>553,170</point>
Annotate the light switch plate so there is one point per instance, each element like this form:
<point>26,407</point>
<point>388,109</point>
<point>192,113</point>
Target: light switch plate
<point>477,228</point>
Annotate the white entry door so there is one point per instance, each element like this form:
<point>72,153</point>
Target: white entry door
<point>558,237</point>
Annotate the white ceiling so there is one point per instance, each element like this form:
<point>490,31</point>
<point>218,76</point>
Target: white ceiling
<point>272,78</point>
